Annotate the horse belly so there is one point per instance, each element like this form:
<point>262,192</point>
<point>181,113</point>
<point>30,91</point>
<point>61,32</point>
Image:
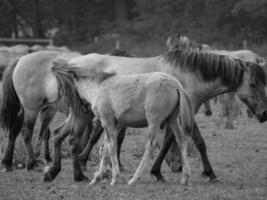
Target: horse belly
<point>135,119</point>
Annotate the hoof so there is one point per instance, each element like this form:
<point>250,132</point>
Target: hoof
<point>48,177</point>
<point>6,168</point>
<point>50,174</point>
<point>208,113</point>
<point>48,159</point>
<point>81,178</point>
<point>178,169</point>
<point>161,179</point>
<point>214,180</point>
<point>209,174</point>
<point>184,180</point>
<point>94,181</point>
<point>158,175</point>
<point>131,182</point>
<point>112,183</point>
<point>36,164</point>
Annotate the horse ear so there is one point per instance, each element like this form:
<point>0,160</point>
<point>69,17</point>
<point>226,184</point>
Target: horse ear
<point>178,35</point>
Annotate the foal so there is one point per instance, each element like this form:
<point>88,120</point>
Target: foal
<point>152,100</point>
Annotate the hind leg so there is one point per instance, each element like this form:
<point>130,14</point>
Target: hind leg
<point>6,163</point>
<point>120,139</point>
<point>60,133</point>
<point>77,128</point>
<point>87,134</point>
<point>182,141</point>
<point>46,137</point>
<point>102,154</point>
<point>155,170</point>
<point>111,134</point>
<point>47,116</point>
<point>201,146</point>
<point>27,131</point>
<point>94,137</point>
<point>152,130</point>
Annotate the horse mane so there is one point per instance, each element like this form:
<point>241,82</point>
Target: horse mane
<point>212,66</point>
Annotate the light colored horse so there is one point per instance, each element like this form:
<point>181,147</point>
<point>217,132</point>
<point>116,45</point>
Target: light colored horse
<point>183,42</point>
<point>25,99</point>
<point>203,74</point>
<point>152,99</point>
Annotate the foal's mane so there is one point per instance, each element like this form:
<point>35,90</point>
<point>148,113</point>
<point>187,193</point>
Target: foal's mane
<point>212,66</point>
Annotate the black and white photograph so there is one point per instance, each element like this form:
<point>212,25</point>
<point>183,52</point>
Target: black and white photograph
<point>133,99</point>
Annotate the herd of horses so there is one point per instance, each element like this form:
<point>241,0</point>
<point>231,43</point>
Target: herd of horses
<point>106,93</point>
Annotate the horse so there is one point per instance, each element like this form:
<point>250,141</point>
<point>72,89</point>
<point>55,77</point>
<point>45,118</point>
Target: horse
<point>203,75</point>
<point>154,100</point>
<point>180,41</point>
<point>28,97</point>
<point>24,100</point>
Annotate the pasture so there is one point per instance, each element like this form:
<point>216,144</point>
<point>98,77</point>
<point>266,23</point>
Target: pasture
<point>238,157</point>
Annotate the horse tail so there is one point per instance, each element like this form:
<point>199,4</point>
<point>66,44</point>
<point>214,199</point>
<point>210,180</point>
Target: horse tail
<point>11,112</point>
<point>65,75</point>
<point>186,114</point>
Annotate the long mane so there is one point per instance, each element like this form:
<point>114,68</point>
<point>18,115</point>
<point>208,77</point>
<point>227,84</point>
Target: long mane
<point>212,66</point>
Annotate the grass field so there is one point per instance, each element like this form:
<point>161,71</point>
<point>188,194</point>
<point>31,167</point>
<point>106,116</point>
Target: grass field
<point>238,157</point>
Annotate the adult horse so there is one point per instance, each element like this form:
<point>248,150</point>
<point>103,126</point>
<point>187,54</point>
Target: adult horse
<point>23,101</point>
<point>203,74</point>
<point>154,100</point>
<point>183,42</point>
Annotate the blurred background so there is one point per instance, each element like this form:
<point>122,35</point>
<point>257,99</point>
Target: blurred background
<point>139,26</point>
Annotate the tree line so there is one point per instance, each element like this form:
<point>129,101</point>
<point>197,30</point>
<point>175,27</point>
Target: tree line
<point>72,20</point>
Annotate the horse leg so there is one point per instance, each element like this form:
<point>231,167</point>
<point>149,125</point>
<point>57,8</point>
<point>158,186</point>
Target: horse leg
<point>181,139</point>
<point>94,137</point>
<point>78,126</point>
<point>100,171</point>
<point>27,131</point>
<point>6,163</point>
<point>47,135</point>
<point>47,115</point>
<point>112,148</point>
<point>60,133</point>
<point>155,170</point>
<point>201,146</point>
<point>120,139</point>
<point>152,130</point>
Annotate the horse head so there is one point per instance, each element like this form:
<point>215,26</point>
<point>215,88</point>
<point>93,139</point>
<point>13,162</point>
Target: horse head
<point>252,90</point>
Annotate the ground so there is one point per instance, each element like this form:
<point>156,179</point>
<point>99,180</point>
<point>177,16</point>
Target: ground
<point>238,156</point>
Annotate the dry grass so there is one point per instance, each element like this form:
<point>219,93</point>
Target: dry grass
<point>238,157</point>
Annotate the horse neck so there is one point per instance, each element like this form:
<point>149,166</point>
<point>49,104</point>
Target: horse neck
<point>205,91</point>
<point>199,90</point>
